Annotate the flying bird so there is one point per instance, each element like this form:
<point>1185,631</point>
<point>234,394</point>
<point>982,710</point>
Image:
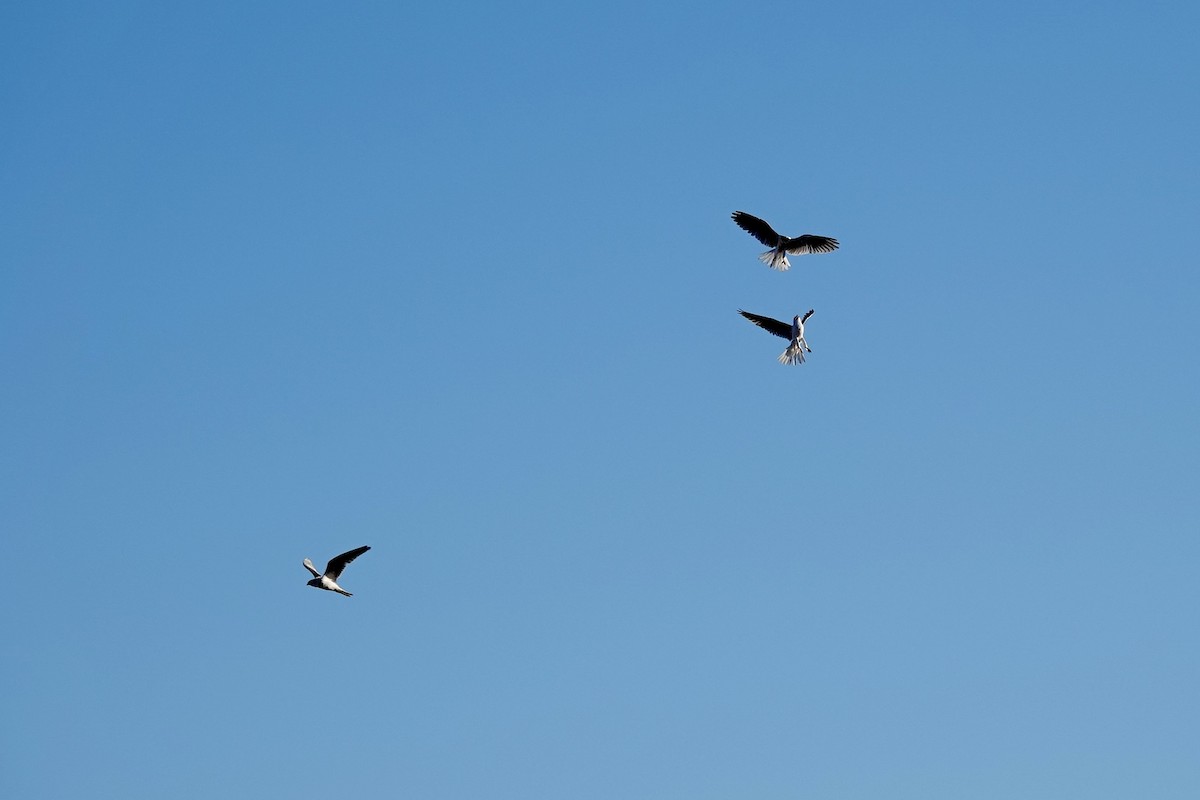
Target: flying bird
<point>781,246</point>
<point>797,347</point>
<point>333,570</point>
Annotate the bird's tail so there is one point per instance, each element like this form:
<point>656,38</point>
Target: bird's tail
<point>794,353</point>
<point>775,259</point>
<point>340,590</point>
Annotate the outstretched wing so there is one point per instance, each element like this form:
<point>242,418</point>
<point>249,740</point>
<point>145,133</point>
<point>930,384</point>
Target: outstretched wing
<point>308,566</point>
<point>757,228</point>
<point>774,326</point>
<point>803,245</point>
<point>804,319</point>
<point>338,563</point>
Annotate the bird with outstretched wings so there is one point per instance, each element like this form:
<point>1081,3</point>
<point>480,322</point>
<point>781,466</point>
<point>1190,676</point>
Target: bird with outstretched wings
<point>782,246</point>
<point>794,333</point>
<point>333,570</point>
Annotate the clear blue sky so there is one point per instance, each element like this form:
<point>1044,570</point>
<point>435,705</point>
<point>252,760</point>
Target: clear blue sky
<point>458,281</point>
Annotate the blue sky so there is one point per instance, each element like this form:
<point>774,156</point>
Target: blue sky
<point>459,282</point>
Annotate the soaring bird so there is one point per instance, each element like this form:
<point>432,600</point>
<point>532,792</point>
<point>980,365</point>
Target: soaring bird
<point>781,246</point>
<point>333,569</point>
<point>797,347</point>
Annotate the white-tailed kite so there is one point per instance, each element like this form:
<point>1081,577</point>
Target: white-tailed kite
<point>334,569</point>
<point>797,347</point>
<point>781,246</point>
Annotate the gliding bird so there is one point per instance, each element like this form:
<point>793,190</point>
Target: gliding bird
<point>333,570</point>
<point>781,246</point>
<point>797,347</point>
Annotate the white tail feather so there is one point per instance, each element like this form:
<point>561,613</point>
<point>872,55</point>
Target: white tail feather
<point>775,259</point>
<point>794,354</point>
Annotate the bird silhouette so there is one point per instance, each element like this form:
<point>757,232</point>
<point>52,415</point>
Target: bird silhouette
<point>781,246</point>
<point>797,347</point>
<point>333,570</point>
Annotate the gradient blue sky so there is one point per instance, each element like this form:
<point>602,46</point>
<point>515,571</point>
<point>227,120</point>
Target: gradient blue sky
<point>457,280</point>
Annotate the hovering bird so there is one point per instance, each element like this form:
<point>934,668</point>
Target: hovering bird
<point>797,347</point>
<point>333,569</point>
<point>781,246</point>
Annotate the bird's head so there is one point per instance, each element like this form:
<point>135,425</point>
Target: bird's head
<point>315,582</point>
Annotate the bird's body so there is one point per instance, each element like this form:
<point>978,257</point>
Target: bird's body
<point>794,333</point>
<point>333,570</point>
<point>782,246</point>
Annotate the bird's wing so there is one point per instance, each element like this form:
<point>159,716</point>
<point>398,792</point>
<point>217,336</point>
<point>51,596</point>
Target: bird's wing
<point>338,563</point>
<point>803,245</point>
<point>757,228</point>
<point>774,326</point>
<point>804,319</point>
<point>308,566</point>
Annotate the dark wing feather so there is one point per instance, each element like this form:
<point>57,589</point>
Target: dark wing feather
<point>803,245</point>
<point>804,319</point>
<point>338,563</point>
<point>774,326</point>
<point>757,228</point>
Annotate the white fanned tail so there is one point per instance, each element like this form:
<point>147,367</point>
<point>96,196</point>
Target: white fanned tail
<point>794,353</point>
<point>775,259</point>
